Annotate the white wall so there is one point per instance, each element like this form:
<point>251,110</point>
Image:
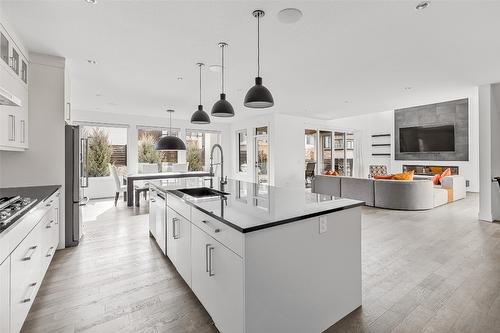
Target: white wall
<point>132,121</point>
<point>43,162</point>
<point>383,122</point>
<point>489,154</point>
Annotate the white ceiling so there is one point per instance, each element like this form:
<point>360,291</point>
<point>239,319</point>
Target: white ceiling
<point>342,58</point>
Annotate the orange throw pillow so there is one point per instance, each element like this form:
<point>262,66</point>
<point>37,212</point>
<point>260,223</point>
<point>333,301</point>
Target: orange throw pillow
<point>436,180</point>
<point>446,173</point>
<point>404,175</point>
<point>383,177</point>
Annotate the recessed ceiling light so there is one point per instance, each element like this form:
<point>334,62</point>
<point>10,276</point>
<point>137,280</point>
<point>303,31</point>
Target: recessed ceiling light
<point>92,2</point>
<point>215,68</point>
<point>289,15</point>
<point>98,95</point>
<point>408,88</point>
<point>347,102</point>
<point>91,61</point>
<point>179,78</point>
<point>422,5</point>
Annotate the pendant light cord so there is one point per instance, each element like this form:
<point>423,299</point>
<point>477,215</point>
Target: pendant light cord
<point>258,45</point>
<point>222,47</point>
<point>170,113</point>
<point>200,82</point>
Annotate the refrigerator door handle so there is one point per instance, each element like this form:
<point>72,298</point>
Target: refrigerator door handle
<point>84,201</point>
<point>84,149</point>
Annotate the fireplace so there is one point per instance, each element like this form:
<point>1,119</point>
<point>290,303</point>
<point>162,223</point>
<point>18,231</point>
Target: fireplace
<point>430,170</point>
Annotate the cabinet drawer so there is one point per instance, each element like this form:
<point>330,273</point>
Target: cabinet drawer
<point>52,220</point>
<point>228,236</point>
<point>179,243</point>
<point>52,200</point>
<point>25,276</point>
<point>48,240</point>
<point>179,206</point>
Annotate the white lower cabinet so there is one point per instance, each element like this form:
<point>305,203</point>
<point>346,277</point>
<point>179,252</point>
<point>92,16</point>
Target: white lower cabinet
<point>161,232</point>
<point>22,272</point>
<point>152,213</point>
<point>179,243</point>
<point>26,268</point>
<point>207,256</point>
<point>5,296</point>
<point>157,217</point>
<point>217,280</point>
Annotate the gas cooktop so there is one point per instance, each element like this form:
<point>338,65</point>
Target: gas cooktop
<point>11,208</point>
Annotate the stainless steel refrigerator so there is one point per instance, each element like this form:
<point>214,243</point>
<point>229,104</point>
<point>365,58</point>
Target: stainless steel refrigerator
<point>76,180</point>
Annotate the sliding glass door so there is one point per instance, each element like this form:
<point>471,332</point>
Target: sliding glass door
<point>325,138</point>
<point>328,151</point>
<point>339,153</point>
<point>310,156</point>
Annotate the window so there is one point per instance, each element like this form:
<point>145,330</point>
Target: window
<point>15,61</point>
<point>24,71</point>
<point>262,160</point>
<point>326,150</point>
<point>199,143</point>
<point>310,148</point>
<point>106,145</point>
<point>4,48</point>
<point>147,154</point>
<point>261,130</point>
<point>333,151</point>
<point>242,150</point>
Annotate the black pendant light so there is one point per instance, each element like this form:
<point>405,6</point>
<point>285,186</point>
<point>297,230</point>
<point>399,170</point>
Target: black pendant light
<point>222,108</point>
<point>200,116</point>
<point>258,96</point>
<point>170,142</point>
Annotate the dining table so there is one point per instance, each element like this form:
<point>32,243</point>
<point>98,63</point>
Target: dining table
<point>131,178</point>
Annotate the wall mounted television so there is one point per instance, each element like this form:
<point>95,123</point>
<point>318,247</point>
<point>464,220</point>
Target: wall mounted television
<point>427,139</point>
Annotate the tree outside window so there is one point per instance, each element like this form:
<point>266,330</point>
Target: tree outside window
<point>106,145</point>
<point>199,144</point>
<point>147,139</point>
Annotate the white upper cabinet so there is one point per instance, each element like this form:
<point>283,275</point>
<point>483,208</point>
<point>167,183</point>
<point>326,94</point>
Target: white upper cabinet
<point>14,76</point>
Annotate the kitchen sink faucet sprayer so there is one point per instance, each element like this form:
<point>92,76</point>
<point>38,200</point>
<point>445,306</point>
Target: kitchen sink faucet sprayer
<point>223,181</point>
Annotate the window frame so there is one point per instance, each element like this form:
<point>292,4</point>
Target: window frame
<point>238,152</point>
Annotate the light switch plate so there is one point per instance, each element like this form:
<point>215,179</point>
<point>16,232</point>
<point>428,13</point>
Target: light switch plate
<point>323,224</point>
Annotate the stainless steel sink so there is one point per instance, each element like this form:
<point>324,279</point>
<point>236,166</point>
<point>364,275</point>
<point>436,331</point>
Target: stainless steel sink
<point>203,192</point>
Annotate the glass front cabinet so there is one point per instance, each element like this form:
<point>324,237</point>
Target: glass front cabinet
<point>14,67</point>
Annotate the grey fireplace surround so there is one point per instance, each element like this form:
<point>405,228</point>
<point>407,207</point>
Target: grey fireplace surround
<point>452,112</point>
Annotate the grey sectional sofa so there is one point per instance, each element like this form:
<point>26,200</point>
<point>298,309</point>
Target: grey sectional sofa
<point>419,194</point>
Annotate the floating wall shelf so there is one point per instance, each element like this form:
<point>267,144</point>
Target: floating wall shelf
<point>381,145</point>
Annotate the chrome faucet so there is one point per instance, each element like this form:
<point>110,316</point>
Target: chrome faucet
<point>223,181</point>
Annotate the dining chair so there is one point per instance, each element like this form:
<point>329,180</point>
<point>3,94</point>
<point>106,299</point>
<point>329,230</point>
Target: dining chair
<point>119,188</point>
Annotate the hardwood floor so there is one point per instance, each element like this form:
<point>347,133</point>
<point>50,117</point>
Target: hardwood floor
<point>431,271</point>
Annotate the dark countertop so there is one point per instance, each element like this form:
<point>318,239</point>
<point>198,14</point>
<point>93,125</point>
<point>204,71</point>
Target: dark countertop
<point>251,207</point>
<point>34,192</point>
<point>40,193</point>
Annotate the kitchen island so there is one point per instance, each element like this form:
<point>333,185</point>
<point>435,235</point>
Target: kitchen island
<point>262,258</point>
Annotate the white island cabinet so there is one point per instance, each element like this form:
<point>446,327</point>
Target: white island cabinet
<point>278,269</point>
